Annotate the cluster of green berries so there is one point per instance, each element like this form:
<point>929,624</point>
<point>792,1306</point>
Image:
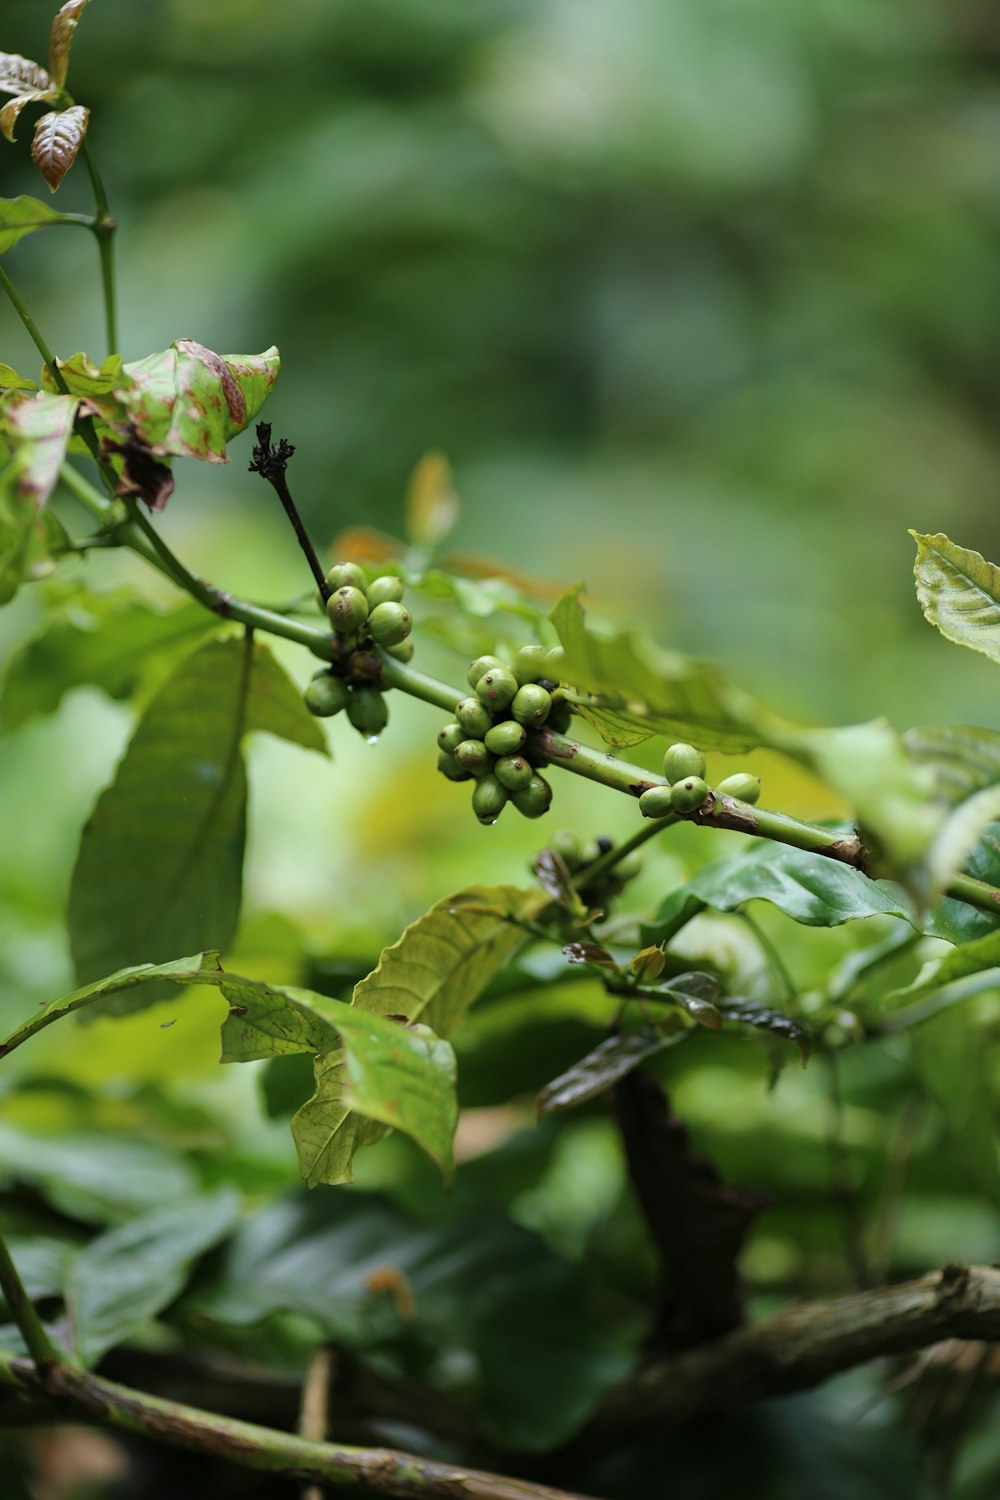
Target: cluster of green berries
<point>579,857</point>
<point>684,768</point>
<point>487,740</point>
<point>364,616</point>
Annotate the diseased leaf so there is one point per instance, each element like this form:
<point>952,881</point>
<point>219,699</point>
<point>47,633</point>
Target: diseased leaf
<point>750,1013</point>
<point>810,888</point>
<point>431,502</point>
<point>58,137</point>
<point>959,593</point>
<point>19,75</point>
<point>119,1282</point>
<point>602,1068</point>
<point>160,863</point>
<point>37,429</point>
<point>180,971</point>
<point>276,705</point>
<point>83,378</point>
<point>60,39</point>
<point>109,641</point>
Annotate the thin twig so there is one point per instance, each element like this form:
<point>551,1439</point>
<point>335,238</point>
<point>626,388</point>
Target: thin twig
<point>39,1345</point>
<point>270,460</point>
<point>844,1186</point>
<point>313,1413</point>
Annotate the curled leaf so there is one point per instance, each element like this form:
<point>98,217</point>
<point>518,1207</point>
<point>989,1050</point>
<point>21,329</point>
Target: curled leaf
<point>60,39</point>
<point>19,75</point>
<point>555,879</point>
<point>605,1066</point>
<point>13,107</point>
<point>58,137</point>
<point>750,1013</point>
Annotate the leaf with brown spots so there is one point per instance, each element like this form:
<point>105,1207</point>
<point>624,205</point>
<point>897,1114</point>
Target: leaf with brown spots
<point>58,137</point>
<point>61,37</point>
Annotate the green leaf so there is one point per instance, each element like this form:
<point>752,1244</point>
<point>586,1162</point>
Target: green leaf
<point>277,706</point>
<point>37,429</point>
<point>644,690</point>
<point>956,921</point>
<point>64,24</point>
<point>96,1177</point>
<point>387,1072</point>
<point>962,759</point>
<point>809,888</point>
<point>109,641</point>
<point>444,961</point>
<point>959,593</point>
<point>180,971</point>
<point>958,836</point>
<point>119,1282</point>
<point>977,957</point>
<point>83,378</point>
<point>18,217</point>
<point>57,139</point>
<point>948,1054</point>
<point>160,863</point>
<point>10,380</point>
<point>608,1063</point>
<point>19,75</point>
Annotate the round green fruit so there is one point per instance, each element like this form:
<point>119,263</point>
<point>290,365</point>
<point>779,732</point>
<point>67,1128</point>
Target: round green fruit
<point>474,718</point>
<point>367,711</point>
<point>560,716</point>
<point>629,867</point>
<point>529,663</point>
<point>403,650</point>
<point>513,772</point>
<point>385,590</point>
<point>743,786</point>
<point>534,799</point>
<point>450,736</point>
<point>346,575</point>
<point>656,802</point>
<point>555,662</point>
<point>497,688</point>
<point>689,794</point>
<point>531,705</point>
<point>481,666</point>
<point>449,766</point>
<point>390,623</point>
<point>348,609</point>
<point>326,695</point>
<point>681,761</point>
<point>566,844</point>
<point>473,756</point>
<point>505,738</point>
<point>489,798</point>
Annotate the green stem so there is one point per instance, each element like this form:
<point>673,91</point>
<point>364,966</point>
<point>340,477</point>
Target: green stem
<point>104,227</point>
<point>19,1305</point>
<point>606,862</point>
<point>33,333</point>
<point>398,674</point>
<point>384,1471</point>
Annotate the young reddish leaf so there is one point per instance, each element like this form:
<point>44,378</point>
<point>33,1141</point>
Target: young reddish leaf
<point>19,75</point>
<point>605,1066</point>
<point>58,137</point>
<point>590,953</point>
<point>13,107</point>
<point>750,1013</point>
<point>21,216</point>
<point>556,881</point>
<point>61,38</point>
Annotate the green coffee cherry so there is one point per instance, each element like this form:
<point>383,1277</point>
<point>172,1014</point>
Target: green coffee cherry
<point>474,718</point>
<point>385,590</point>
<point>489,799</point>
<point>505,738</point>
<point>688,794</point>
<point>473,756</point>
<point>531,705</point>
<point>534,799</point>
<point>529,663</point>
<point>743,786</point>
<point>567,846</point>
<point>346,575</point>
<point>497,688</point>
<point>628,868</point>
<point>683,760</point>
<point>449,766</point>
<point>513,772</point>
<point>481,666</point>
<point>560,716</point>
<point>450,736</point>
<point>656,802</point>
<point>326,695</point>
<point>367,711</point>
<point>555,662</point>
<point>402,651</point>
<point>348,609</point>
<point>390,623</point>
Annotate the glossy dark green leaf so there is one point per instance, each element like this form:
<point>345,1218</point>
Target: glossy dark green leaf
<point>18,217</point>
<point>64,23</point>
<point>959,593</point>
<point>118,1283</point>
<point>956,921</point>
<point>57,140</point>
<point>811,889</point>
<point>765,1018</point>
<point>160,863</point>
<point>602,1068</point>
<point>109,641</point>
